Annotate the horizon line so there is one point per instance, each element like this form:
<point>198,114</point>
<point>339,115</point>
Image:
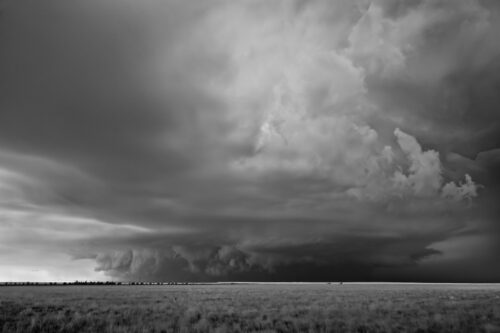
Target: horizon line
<point>110,282</point>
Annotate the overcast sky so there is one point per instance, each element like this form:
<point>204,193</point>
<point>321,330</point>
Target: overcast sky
<point>249,140</point>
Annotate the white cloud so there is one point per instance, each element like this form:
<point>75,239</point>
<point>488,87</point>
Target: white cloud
<point>375,43</point>
<point>422,179</point>
<point>424,174</point>
<point>465,190</point>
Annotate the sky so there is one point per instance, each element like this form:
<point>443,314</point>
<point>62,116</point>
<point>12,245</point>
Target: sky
<point>253,140</point>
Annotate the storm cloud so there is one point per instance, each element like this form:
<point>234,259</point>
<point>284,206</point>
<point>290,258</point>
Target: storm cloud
<point>252,140</point>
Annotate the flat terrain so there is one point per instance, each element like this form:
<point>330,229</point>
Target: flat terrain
<point>252,307</point>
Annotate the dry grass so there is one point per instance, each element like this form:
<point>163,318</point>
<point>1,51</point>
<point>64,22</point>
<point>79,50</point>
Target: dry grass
<point>250,308</point>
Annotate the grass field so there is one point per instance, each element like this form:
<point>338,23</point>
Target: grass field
<point>252,307</point>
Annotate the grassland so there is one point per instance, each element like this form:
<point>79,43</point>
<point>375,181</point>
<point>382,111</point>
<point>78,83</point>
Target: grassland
<point>250,308</point>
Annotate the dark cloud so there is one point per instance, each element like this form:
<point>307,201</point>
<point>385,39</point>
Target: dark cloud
<point>275,141</point>
<point>324,259</point>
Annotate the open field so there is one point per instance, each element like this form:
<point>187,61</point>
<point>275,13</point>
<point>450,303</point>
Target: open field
<point>252,307</point>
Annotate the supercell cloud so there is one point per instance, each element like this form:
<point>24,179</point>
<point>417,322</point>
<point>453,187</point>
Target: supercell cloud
<point>251,140</point>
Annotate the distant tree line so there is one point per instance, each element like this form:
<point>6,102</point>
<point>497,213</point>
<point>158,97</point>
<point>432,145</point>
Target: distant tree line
<point>92,283</point>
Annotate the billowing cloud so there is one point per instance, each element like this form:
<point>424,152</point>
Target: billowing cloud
<point>219,140</point>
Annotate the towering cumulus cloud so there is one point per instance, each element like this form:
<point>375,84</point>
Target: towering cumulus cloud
<point>249,140</point>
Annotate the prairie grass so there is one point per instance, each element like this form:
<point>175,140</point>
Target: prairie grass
<point>252,308</point>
